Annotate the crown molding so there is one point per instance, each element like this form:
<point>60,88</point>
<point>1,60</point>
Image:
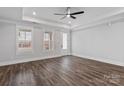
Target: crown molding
<point>115,15</point>
<point>101,20</point>
<point>104,22</point>
<point>35,20</point>
<point>30,23</point>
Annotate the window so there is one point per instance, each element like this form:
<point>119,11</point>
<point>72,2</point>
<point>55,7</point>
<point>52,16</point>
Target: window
<point>48,40</point>
<point>24,37</point>
<point>64,40</point>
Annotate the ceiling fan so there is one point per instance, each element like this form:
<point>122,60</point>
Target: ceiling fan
<point>69,14</point>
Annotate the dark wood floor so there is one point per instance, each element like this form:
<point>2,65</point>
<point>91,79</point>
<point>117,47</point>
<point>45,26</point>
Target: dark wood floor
<point>67,70</point>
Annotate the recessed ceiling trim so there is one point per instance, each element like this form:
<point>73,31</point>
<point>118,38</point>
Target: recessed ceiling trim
<point>35,20</point>
<point>100,20</point>
<point>114,20</point>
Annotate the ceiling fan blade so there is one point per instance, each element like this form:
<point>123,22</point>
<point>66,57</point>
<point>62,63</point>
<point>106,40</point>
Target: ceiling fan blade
<point>73,17</point>
<point>59,14</point>
<point>63,17</point>
<point>76,13</point>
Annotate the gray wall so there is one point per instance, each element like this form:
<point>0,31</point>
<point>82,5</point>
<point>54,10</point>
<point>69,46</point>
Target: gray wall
<point>8,53</point>
<point>103,43</point>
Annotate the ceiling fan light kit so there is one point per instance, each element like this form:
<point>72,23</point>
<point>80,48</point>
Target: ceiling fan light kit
<point>68,13</point>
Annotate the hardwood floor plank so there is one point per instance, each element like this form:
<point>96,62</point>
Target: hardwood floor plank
<point>62,71</point>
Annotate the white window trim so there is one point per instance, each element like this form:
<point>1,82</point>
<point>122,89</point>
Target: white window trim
<point>28,50</point>
<point>62,41</point>
<point>51,49</point>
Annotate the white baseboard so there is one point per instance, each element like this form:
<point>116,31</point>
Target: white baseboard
<point>25,60</point>
<point>120,63</point>
<point>105,60</point>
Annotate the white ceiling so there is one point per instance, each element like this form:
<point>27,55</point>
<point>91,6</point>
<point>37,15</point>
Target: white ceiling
<point>11,13</point>
<point>46,14</point>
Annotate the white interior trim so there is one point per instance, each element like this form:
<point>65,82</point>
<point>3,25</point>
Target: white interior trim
<point>100,20</point>
<point>30,19</point>
<point>33,24</point>
<point>4,63</point>
<point>105,60</point>
<point>80,26</point>
<point>98,23</point>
